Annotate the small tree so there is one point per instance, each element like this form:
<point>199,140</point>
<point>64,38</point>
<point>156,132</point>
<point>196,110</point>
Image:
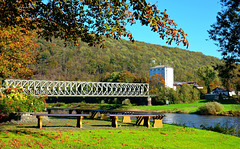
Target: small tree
<point>208,75</point>
<point>155,83</point>
<point>162,95</point>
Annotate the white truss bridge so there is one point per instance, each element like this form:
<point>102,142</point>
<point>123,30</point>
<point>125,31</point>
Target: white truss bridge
<point>79,89</point>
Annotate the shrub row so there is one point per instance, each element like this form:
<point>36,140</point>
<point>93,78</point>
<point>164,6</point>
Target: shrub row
<point>184,94</point>
<point>13,100</point>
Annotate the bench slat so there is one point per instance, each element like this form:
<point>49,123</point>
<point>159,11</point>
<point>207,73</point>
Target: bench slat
<point>133,115</point>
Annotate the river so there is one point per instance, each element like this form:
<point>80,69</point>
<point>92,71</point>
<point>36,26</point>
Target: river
<point>194,120</point>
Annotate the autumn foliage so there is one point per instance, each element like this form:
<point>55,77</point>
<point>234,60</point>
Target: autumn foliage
<point>155,82</point>
<point>123,76</point>
<point>17,52</point>
<point>88,20</point>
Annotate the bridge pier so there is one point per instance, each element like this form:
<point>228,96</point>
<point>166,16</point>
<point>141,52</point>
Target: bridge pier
<point>149,99</point>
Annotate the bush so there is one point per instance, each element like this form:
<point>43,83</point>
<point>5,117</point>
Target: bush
<point>102,102</point>
<point>211,108</point>
<point>115,101</point>
<point>126,102</point>
<point>223,129</point>
<point>13,100</point>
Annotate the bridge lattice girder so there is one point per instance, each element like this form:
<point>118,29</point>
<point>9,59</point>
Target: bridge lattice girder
<point>79,89</point>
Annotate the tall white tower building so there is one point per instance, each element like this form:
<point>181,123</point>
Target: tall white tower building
<point>165,71</point>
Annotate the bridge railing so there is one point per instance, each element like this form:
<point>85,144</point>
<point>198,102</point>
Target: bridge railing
<point>81,89</point>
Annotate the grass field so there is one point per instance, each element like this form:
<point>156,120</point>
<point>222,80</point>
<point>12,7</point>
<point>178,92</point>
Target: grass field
<point>184,108</point>
<point>62,133</point>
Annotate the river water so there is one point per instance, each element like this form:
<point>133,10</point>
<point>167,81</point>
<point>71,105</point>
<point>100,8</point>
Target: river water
<point>194,120</point>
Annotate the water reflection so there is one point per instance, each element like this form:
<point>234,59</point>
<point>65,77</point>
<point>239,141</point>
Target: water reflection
<point>193,120</point>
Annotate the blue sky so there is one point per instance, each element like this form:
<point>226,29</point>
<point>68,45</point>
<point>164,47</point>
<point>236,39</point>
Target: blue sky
<point>193,16</point>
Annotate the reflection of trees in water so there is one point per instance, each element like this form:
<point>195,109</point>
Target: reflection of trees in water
<point>193,120</point>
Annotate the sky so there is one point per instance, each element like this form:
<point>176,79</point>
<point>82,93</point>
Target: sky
<point>193,16</point>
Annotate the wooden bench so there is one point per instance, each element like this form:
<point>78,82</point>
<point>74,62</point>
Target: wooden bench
<point>79,118</point>
<point>141,119</point>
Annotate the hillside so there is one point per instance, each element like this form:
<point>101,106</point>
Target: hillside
<point>85,63</point>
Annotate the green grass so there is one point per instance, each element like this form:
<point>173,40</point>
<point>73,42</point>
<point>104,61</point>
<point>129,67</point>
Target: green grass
<point>233,107</point>
<point>184,108</point>
<point>187,107</point>
<point>61,133</point>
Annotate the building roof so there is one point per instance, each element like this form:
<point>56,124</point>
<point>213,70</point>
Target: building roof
<point>189,83</point>
<point>222,89</point>
<point>160,66</point>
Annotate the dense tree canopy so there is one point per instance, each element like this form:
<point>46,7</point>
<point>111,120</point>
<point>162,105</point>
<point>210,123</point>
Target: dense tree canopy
<point>17,52</point>
<point>88,20</point>
<point>226,31</point>
<point>228,74</point>
<point>123,76</point>
<point>56,62</point>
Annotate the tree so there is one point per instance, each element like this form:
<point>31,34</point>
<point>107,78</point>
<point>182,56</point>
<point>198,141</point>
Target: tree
<point>226,73</point>
<point>208,75</point>
<point>123,76</point>
<point>226,31</point>
<point>156,82</point>
<point>17,52</point>
<point>188,93</point>
<point>88,20</point>
<point>126,76</point>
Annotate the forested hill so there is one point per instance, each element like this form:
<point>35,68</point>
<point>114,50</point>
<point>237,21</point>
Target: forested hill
<point>84,63</point>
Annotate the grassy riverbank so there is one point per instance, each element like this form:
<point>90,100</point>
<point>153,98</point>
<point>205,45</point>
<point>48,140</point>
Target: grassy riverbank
<point>188,108</point>
<point>61,133</point>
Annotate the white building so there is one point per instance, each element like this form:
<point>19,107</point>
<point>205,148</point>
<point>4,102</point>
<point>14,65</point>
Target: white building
<point>165,71</point>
